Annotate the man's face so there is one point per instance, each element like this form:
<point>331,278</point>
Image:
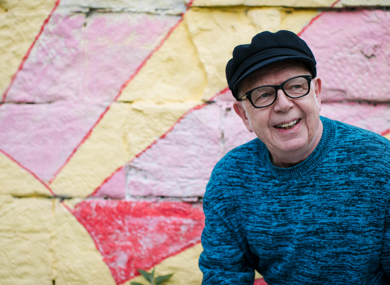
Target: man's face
<point>288,144</point>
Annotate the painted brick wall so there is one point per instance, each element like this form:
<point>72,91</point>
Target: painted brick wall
<point>113,114</point>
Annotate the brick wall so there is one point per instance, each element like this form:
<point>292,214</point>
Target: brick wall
<point>113,114</point>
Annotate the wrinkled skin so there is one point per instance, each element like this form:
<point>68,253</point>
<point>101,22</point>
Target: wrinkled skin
<point>287,147</point>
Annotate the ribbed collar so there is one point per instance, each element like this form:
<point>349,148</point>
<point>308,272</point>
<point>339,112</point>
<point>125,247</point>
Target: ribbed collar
<point>314,159</point>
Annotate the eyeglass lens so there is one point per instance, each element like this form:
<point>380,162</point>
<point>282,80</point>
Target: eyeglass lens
<point>295,87</point>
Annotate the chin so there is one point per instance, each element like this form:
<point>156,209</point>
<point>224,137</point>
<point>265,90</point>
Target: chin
<point>293,145</point>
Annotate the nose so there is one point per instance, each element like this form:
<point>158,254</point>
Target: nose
<point>283,103</point>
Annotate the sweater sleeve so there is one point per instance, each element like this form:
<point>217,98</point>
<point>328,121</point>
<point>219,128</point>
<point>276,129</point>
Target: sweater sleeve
<point>385,256</point>
<point>222,260</point>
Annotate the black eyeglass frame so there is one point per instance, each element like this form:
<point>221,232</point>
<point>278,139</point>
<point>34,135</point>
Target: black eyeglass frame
<point>248,94</point>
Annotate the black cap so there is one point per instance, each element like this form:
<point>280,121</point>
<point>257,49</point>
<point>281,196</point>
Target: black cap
<point>267,48</point>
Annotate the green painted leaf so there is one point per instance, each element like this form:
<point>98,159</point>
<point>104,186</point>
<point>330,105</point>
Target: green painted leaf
<point>136,283</point>
<point>163,278</point>
<point>146,275</point>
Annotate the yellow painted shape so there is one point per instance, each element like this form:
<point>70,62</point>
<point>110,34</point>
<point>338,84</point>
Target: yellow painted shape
<point>259,3</point>
<point>26,240</point>
<point>20,23</point>
<point>184,266</point>
<point>99,156</point>
<point>258,275</point>
<point>387,136</point>
<point>124,131</point>
<point>174,73</point>
<point>150,121</point>
<point>18,182</point>
<point>216,32</point>
<point>77,261</point>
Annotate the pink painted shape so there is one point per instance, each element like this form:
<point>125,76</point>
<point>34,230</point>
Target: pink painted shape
<point>29,51</point>
<point>235,132</point>
<point>353,54</point>
<point>40,136</point>
<point>373,117</point>
<point>81,69</point>
<point>73,62</point>
<point>139,235</point>
<point>180,164</point>
<point>114,187</point>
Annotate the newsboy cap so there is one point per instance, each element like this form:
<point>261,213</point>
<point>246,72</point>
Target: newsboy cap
<point>267,48</point>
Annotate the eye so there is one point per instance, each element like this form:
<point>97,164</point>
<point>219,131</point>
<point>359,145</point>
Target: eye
<point>264,95</point>
<point>261,96</point>
<point>296,86</point>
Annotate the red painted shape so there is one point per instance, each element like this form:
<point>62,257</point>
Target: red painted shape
<point>29,51</point>
<point>385,132</point>
<point>334,4</point>
<point>29,171</point>
<point>120,92</point>
<point>259,282</point>
<point>138,235</point>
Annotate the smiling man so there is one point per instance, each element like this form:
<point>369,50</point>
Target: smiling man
<point>307,201</point>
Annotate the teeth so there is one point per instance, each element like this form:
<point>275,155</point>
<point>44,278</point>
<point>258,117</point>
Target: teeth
<point>288,125</point>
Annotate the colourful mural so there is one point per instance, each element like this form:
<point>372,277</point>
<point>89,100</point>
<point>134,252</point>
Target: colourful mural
<point>113,114</point>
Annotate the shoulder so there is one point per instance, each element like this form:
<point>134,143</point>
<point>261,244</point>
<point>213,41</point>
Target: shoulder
<point>355,137</point>
<point>360,150</point>
<point>234,169</point>
<point>239,159</point>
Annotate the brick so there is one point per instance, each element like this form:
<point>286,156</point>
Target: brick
<point>41,137</point>
<point>352,51</point>
<point>373,117</point>
<point>179,164</point>
<point>77,260</point>
<point>136,235</point>
<point>25,238</point>
<point>87,59</point>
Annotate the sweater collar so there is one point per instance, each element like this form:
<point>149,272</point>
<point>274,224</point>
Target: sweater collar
<point>314,159</point>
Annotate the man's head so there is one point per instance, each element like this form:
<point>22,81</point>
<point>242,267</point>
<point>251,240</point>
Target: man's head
<point>267,48</point>
<point>285,115</point>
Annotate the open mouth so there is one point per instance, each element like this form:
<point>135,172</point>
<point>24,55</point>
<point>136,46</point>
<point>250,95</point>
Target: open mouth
<point>287,126</point>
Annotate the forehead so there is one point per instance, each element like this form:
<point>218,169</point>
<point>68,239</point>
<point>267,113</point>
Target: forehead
<point>273,74</point>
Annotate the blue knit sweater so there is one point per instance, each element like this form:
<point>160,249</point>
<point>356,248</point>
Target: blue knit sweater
<point>323,221</point>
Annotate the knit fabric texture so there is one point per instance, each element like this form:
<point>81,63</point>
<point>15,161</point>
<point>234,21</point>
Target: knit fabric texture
<point>323,221</point>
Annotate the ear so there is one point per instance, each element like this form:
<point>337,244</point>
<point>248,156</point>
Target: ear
<point>240,111</point>
<point>317,89</point>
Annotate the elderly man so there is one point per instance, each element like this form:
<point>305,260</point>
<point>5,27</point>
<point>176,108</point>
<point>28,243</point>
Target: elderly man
<point>306,202</point>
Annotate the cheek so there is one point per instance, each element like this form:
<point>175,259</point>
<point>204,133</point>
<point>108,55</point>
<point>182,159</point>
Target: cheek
<point>260,126</point>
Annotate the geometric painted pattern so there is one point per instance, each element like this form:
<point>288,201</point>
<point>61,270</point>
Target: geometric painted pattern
<point>86,66</point>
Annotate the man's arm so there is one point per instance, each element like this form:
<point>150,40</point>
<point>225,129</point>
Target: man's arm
<point>223,260</point>
<point>385,255</point>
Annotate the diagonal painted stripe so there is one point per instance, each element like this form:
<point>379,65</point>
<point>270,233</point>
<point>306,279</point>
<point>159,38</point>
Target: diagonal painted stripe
<point>29,51</point>
<point>22,181</point>
<point>116,97</point>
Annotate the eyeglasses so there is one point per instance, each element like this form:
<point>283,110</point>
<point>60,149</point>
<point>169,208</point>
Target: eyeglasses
<point>264,96</point>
